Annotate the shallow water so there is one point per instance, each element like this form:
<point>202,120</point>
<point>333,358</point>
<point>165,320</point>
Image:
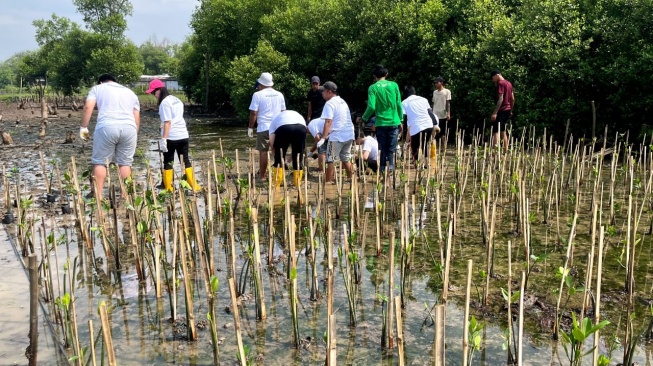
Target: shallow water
<point>142,334</point>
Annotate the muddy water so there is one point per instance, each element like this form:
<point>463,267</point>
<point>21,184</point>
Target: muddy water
<point>143,335</point>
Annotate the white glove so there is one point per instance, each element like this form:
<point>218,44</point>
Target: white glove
<point>163,145</point>
<point>320,143</point>
<point>83,133</point>
<point>250,132</point>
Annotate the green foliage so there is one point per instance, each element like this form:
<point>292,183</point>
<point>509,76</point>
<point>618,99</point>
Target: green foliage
<point>573,340</point>
<point>243,71</point>
<point>105,16</point>
<point>157,58</point>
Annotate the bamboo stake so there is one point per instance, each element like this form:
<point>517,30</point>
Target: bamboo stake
<point>438,340</point>
<point>466,321</point>
<point>520,336</point>
<point>33,310</point>
<point>106,335</point>
<point>91,341</point>
<point>391,288</point>
<point>597,304</point>
<point>400,330</point>
<point>445,282</point>
<point>261,313</point>
<point>190,316</point>
<point>234,311</point>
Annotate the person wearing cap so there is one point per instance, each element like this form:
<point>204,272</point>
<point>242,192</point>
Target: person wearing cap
<point>315,128</point>
<point>384,101</point>
<point>315,100</point>
<point>116,128</point>
<point>441,100</point>
<point>174,134</point>
<point>421,122</point>
<point>266,104</point>
<point>288,128</point>
<point>505,102</point>
<point>338,129</point>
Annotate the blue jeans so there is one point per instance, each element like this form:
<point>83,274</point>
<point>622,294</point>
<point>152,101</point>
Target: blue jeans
<point>387,139</point>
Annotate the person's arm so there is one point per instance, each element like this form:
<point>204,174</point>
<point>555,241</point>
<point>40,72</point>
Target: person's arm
<point>137,119</point>
<point>497,106</point>
<point>366,154</point>
<point>512,105</point>
<point>371,105</point>
<point>310,111</point>
<point>448,109</point>
<point>252,118</point>
<point>87,112</point>
<point>434,119</point>
<point>327,128</point>
<point>166,129</point>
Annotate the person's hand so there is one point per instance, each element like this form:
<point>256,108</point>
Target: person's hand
<point>250,133</point>
<point>494,117</point>
<point>320,143</point>
<point>359,120</point>
<point>163,145</point>
<point>83,133</point>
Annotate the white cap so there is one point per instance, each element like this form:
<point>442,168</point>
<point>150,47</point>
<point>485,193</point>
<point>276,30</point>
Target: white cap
<point>265,79</point>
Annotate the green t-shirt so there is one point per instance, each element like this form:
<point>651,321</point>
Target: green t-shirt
<point>384,100</point>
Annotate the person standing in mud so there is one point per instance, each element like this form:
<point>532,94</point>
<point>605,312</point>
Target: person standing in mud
<point>505,102</point>
<point>315,100</point>
<point>421,122</point>
<point>266,104</point>
<point>384,101</point>
<point>116,129</point>
<point>338,130</point>
<point>174,135</point>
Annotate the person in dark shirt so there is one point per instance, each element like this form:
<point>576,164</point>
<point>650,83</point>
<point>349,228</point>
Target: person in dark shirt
<point>505,103</point>
<point>315,100</point>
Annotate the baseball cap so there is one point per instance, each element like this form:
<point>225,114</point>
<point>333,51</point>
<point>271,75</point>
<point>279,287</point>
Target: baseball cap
<point>315,79</point>
<point>154,85</point>
<point>495,72</point>
<point>330,85</point>
<point>439,79</point>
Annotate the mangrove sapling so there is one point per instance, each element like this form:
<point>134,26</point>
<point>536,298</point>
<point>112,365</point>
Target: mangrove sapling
<point>466,322</point>
<point>346,276</point>
<point>188,292</point>
<point>212,318</point>
<point>474,329</point>
<point>574,339</point>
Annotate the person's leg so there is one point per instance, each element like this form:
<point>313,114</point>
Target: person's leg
<point>100,173</point>
<point>393,135</point>
<point>345,156</point>
<point>415,145</point>
<point>332,152</point>
<point>263,145</point>
<point>382,139</point>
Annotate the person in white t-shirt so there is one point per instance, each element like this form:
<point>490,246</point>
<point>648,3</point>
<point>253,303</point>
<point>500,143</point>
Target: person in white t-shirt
<point>288,128</point>
<point>370,151</point>
<point>315,128</point>
<point>338,129</point>
<point>116,129</point>
<point>420,121</point>
<point>174,135</point>
<point>266,104</point>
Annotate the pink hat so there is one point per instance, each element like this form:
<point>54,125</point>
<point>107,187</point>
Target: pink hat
<point>154,85</point>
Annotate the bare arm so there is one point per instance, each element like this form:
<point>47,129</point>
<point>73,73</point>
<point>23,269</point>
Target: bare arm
<point>366,154</point>
<point>166,129</point>
<point>496,107</point>
<point>252,118</point>
<point>87,112</point>
<point>448,109</point>
<point>327,128</point>
<point>137,119</point>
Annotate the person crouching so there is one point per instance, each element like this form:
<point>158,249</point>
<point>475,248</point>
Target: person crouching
<point>288,128</point>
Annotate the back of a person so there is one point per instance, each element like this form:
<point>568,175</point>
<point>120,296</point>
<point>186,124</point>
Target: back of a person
<point>387,98</point>
<point>416,110</point>
<point>370,144</point>
<point>270,103</point>
<point>172,109</point>
<point>115,103</point>
<point>342,128</point>
<point>286,117</point>
<point>505,87</point>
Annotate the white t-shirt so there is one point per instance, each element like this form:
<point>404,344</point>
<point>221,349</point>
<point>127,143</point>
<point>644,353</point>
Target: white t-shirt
<point>268,103</point>
<point>416,109</point>
<point>440,102</point>
<point>172,109</point>
<point>342,128</point>
<point>316,126</point>
<point>115,104</point>
<point>286,118</point>
<point>370,144</point>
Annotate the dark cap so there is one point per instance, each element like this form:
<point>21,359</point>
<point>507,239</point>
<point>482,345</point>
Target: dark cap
<point>315,79</point>
<point>439,79</point>
<point>495,72</point>
<point>330,85</point>
<point>106,77</point>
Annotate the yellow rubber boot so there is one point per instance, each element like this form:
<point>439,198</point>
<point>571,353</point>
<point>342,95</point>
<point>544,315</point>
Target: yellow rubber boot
<point>190,178</point>
<point>297,176</point>
<point>278,177</point>
<point>167,179</point>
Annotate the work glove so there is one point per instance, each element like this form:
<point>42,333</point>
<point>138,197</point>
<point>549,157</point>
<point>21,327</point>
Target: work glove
<point>83,133</point>
<point>250,132</point>
<point>163,145</point>
<point>320,143</point>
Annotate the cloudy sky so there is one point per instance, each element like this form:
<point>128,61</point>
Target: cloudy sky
<point>152,18</point>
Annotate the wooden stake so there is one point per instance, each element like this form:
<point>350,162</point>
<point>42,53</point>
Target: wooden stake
<point>400,330</point>
<point>234,311</point>
<point>106,335</point>
<point>466,321</point>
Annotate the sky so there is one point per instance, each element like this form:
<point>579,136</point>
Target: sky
<point>162,19</point>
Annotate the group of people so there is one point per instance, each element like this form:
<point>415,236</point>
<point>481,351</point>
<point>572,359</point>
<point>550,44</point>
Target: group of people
<point>328,120</point>
<point>116,131</point>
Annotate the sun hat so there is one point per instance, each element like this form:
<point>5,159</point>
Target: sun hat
<point>315,79</point>
<point>265,79</point>
<point>154,85</point>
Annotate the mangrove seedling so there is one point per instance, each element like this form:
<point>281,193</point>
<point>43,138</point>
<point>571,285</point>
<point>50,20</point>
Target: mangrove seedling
<point>573,340</point>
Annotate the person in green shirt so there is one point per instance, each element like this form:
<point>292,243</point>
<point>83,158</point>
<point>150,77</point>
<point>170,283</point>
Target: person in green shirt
<point>384,101</point>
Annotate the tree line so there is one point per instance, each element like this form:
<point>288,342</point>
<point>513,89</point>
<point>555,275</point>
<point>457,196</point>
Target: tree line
<point>564,57</point>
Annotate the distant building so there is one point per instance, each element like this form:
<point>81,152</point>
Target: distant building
<point>170,81</point>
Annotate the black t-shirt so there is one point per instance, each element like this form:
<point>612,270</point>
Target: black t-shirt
<point>317,102</point>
